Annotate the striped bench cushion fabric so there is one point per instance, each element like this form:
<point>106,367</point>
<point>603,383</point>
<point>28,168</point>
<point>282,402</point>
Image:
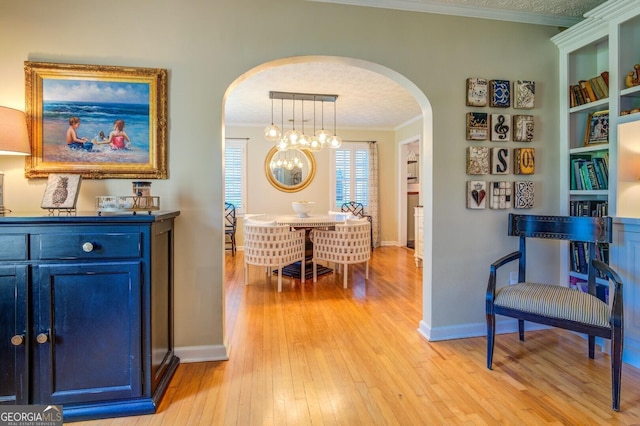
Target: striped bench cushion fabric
<point>555,302</point>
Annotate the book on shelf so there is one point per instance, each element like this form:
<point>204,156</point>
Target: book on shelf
<point>588,172</point>
<point>589,90</point>
<point>593,208</point>
<point>577,283</point>
<point>580,256</point>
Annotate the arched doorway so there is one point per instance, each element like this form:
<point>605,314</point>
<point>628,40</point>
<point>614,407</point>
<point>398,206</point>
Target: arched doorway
<point>426,160</point>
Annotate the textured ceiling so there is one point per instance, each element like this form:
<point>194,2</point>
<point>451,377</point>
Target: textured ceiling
<point>367,99</point>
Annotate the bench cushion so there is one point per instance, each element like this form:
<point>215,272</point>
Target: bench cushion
<point>555,302</point>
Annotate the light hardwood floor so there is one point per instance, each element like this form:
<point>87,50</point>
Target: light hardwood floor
<point>318,354</point>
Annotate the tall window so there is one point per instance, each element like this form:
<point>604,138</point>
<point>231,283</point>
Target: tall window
<point>350,182</point>
<point>235,172</point>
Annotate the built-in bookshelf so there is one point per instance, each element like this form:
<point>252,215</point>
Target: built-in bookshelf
<point>596,56</point>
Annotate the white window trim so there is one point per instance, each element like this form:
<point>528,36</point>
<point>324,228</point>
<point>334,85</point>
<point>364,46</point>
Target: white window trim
<point>352,146</point>
<point>242,144</point>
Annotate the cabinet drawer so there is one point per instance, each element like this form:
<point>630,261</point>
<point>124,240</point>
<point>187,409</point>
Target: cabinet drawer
<point>85,246</point>
<point>13,247</point>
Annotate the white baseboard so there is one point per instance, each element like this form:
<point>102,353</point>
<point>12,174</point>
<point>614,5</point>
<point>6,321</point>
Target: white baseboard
<point>464,331</point>
<point>630,354</point>
<point>189,354</point>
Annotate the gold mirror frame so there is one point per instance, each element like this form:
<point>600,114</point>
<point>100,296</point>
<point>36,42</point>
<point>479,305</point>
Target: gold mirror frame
<point>290,188</point>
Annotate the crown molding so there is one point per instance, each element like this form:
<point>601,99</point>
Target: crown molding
<point>462,10</point>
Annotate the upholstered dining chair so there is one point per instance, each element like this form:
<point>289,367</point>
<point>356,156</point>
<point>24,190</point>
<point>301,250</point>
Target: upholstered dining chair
<point>348,244</point>
<point>357,209</point>
<point>230,224</point>
<point>273,247</point>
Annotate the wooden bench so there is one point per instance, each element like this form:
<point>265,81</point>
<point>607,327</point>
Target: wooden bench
<point>556,305</point>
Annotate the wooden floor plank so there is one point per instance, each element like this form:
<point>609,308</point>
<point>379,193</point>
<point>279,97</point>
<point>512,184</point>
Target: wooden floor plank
<point>318,354</point>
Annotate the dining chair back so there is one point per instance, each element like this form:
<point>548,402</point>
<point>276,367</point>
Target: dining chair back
<point>273,247</point>
<point>357,209</point>
<point>348,244</point>
<point>230,224</point>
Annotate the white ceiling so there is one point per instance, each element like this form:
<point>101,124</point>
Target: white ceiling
<point>367,99</point>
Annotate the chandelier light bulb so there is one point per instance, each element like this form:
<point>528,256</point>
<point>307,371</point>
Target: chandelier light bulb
<point>272,133</point>
<point>304,141</point>
<point>323,136</point>
<point>293,138</point>
<point>335,141</point>
<point>282,145</point>
<point>314,145</point>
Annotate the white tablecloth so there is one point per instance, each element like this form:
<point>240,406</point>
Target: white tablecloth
<point>313,221</point>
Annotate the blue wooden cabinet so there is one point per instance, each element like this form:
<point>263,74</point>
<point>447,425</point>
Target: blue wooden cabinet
<point>86,312</point>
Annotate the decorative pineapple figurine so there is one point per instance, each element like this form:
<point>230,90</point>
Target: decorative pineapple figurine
<point>60,193</point>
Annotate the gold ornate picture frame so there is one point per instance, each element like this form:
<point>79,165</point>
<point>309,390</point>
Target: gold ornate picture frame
<point>97,121</point>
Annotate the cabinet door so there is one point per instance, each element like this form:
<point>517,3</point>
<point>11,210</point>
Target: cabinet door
<point>87,327</point>
<point>14,377</point>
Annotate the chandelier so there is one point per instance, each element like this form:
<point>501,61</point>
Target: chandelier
<point>297,139</point>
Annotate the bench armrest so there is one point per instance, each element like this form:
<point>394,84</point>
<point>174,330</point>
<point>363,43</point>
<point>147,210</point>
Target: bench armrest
<point>616,304</point>
<point>491,287</point>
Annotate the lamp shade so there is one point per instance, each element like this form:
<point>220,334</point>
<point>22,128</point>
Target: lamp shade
<point>14,139</point>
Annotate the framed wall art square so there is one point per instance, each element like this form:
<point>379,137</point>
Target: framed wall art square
<point>524,193</point>
<point>476,194</point>
<point>524,161</point>
<point>477,126</point>
<point>500,127</point>
<point>500,161</point>
<point>500,93</point>
<point>478,160</point>
<point>95,120</point>
<point>477,90</point>
<point>524,94</point>
<point>500,195</point>
<point>523,128</point>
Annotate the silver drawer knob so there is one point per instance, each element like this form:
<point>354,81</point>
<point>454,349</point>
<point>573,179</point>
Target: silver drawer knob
<point>87,247</point>
<point>17,340</point>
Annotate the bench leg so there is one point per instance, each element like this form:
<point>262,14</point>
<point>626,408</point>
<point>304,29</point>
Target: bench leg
<point>491,334</point>
<point>592,346</point>
<point>616,368</point>
<point>521,329</point>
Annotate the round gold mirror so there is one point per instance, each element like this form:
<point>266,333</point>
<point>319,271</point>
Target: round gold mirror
<point>291,170</point>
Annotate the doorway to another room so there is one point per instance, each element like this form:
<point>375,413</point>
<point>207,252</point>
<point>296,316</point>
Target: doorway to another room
<point>408,190</point>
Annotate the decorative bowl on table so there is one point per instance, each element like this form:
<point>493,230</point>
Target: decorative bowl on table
<point>303,208</point>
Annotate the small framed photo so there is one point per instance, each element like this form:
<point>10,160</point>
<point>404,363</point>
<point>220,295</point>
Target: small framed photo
<point>61,191</point>
<point>524,94</point>
<point>597,130</point>
<point>500,93</point>
<point>477,90</point>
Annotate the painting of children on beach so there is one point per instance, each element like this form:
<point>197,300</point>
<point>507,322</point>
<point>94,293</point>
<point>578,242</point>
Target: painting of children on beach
<point>79,117</point>
<point>99,121</point>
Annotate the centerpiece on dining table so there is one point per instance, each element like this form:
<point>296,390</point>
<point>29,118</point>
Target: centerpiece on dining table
<point>303,208</point>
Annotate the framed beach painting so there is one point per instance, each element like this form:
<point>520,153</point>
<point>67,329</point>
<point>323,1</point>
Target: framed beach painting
<point>96,121</point>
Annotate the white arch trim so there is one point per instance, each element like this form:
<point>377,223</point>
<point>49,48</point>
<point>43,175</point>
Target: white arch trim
<point>426,184</point>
